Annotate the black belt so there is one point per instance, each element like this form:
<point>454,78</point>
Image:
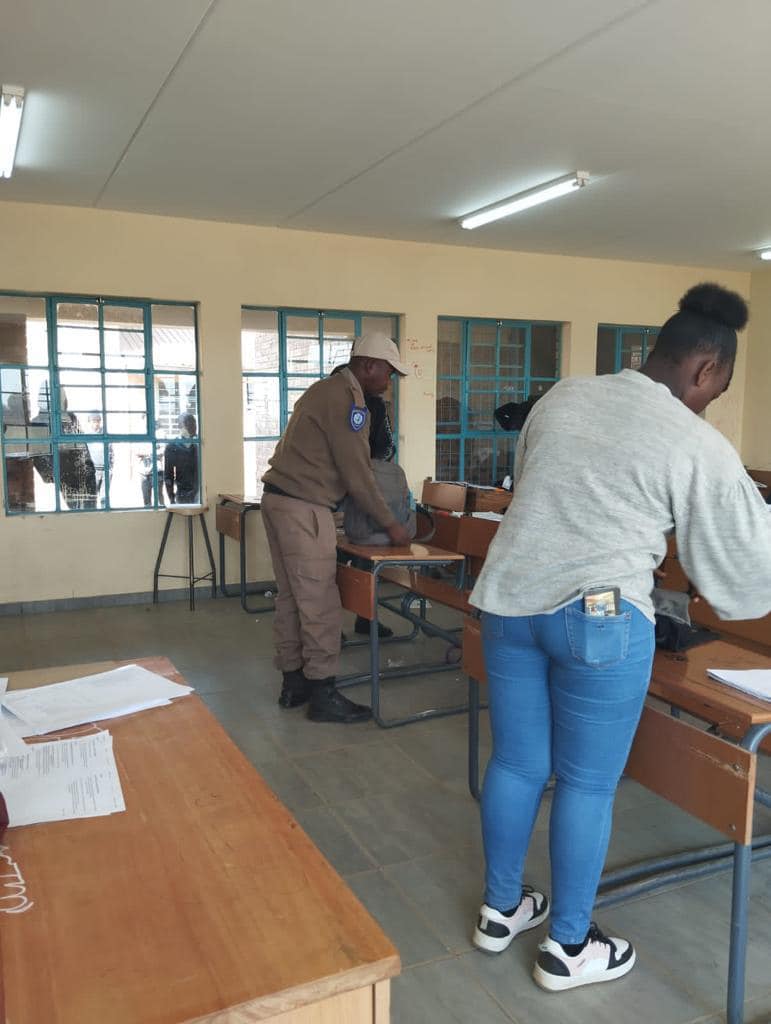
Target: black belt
<point>272,489</point>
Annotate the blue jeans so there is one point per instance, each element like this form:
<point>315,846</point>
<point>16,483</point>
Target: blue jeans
<point>566,692</point>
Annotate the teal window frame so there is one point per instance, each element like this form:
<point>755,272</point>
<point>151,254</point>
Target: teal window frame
<point>526,385</point>
<point>56,436</point>
<point>621,333</point>
<point>283,374</point>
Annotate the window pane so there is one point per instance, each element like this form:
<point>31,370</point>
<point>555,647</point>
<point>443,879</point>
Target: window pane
<point>448,460</point>
<point>631,349</point>
<point>481,405</point>
<point>173,337</point>
<point>510,391</point>
<point>77,477</point>
<point>302,344</point>
<point>259,340</point>
<point>449,348</point>
<point>482,350</point>
<point>175,396</point>
<point>606,350</point>
<point>338,338</point>
<point>262,411</point>
<point>29,477</point>
<point>23,330</point>
<point>25,396</point>
<point>77,334</point>
<point>126,403</point>
<point>178,462</point>
<point>512,356</point>
<point>80,396</point>
<point>129,467</point>
<point>543,350</point>
<point>505,447</point>
<point>297,386</point>
<point>479,461</point>
<point>256,455</point>
<point>448,406</point>
<point>381,324</point>
<point>124,338</point>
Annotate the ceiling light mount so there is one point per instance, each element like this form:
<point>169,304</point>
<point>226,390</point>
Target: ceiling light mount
<point>764,254</point>
<point>11,106</point>
<point>524,200</point>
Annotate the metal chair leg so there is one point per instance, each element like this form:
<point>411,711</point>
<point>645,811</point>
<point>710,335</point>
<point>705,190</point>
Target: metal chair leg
<point>473,737</point>
<point>159,559</point>
<point>210,554</point>
<point>191,562</point>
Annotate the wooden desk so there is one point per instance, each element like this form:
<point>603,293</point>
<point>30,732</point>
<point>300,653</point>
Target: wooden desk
<point>204,901</point>
<point>231,514</point>
<point>359,592</point>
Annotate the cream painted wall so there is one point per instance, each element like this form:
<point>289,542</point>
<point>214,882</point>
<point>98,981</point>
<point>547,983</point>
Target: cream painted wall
<point>756,434</point>
<point>221,266</point>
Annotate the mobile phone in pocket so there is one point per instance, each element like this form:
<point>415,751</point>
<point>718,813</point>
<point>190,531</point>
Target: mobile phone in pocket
<point>602,601</point>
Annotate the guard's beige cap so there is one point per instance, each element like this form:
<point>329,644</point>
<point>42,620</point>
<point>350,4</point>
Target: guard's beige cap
<point>379,346</point>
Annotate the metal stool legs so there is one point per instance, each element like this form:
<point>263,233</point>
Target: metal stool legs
<point>191,577</point>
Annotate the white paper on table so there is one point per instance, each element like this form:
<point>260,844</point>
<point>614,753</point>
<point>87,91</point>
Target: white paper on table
<point>494,517</point>
<point>120,691</point>
<point>755,681</point>
<point>62,779</point>
<point>16,726</point>
<point>11,743</point>
<point>3,685</point>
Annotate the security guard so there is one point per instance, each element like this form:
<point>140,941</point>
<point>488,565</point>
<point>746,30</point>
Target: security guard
<point>322,455</point>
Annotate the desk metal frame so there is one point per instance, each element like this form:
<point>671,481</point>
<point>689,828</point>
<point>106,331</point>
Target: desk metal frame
<point>246,506</point>
<point>376,675</point>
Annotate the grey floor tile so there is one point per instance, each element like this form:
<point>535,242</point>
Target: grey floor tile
<point>289,785</point>
<point>644,996</point>
<point>366,769</point>
<point>415,822</point>
<point>333,839</point>
<point>443,993</point>
<point>686,932</point>
<point>399,919</point>
<point>243,726</point>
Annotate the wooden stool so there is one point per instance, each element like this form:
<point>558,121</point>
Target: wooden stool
<point>190,512</point>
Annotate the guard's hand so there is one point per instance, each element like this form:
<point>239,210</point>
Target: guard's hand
<point>398,535</point>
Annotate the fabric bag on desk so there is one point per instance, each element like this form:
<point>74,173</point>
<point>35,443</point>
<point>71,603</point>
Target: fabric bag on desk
<point>674,630</point>
<point>392,484</point>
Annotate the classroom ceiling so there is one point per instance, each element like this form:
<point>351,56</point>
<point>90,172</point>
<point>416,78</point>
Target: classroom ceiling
<point>392,119</point>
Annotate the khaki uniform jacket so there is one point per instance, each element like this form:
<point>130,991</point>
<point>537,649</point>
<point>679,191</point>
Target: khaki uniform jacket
<point>320,457</point>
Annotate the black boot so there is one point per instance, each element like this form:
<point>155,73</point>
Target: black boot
<point>362,626</point>
<point>329,705</point>
<point>295,690</point>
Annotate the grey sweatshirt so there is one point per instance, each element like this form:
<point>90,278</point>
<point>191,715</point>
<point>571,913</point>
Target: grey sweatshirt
<point>606,468</point>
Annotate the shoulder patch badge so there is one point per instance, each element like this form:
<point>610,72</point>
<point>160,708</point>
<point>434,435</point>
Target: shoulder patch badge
<point>358,417</point>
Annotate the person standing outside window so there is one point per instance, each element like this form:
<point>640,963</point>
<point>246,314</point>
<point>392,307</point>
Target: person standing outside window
<point>323,455</point>
<point>606,468</point>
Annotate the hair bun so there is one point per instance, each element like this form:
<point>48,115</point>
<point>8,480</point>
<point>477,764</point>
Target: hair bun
<point>716,303</point>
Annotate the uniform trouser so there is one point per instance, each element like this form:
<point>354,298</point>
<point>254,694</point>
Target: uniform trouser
<point>308,617</point>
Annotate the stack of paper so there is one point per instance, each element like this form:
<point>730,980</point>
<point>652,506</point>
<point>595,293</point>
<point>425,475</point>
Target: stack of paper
<point>755,681</point>
<point>75,778</point>
<point>110,694</point>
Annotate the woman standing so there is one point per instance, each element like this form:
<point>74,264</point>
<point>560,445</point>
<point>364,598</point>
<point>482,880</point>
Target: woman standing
<point>606,468</point>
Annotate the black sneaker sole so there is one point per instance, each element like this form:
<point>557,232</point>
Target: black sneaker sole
<point>326,716</point>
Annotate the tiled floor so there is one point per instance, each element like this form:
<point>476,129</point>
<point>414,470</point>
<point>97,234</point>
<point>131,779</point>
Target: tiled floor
<point>391,811</point>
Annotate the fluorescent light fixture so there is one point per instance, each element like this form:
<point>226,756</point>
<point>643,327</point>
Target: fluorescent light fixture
<point>524,200</point>
<point>765,254</point>
<point>11,105</point>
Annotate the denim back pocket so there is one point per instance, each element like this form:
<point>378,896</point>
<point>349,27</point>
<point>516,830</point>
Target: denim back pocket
<point>598,640</point>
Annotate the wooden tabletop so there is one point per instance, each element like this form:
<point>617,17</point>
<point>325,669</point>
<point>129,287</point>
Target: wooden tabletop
<point>416,552</point>
<point>682,680</point>
<point>205,894</point>
<point>248,500</point>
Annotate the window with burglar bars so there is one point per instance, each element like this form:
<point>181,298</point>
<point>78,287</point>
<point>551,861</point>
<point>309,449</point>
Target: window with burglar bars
<point>622,348</point>
<point>283,351</point>
<point>483,364</point>
<point>98,403</point>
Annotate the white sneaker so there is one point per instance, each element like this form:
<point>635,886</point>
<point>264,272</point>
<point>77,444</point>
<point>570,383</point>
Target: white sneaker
<point>494,930</point>
<point>600,959</point>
